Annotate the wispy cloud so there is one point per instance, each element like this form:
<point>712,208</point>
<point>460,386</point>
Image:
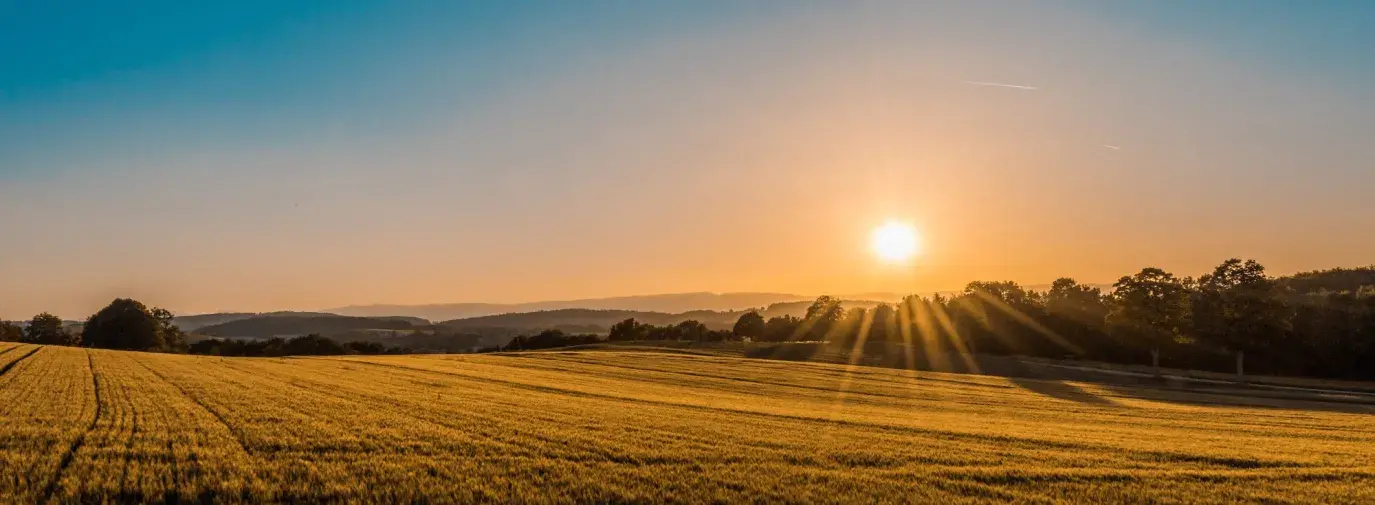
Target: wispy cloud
<point>1001,85</point>
<point>1113,147</point>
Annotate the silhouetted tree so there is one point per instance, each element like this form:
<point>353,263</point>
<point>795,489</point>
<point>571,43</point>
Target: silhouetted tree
<point>1336,280</point>
<point>10,332</point>
<point>47,329</point>
<point>822,317</point>
<point>1152,309</point>
<point>1241,309</point>
<point>692,331</point>
<point>629,329</point>
<point>1079,313</point>
<point>1003,318</point>
<point>309,345</point>
<point>549,339</point>
<point>847,329</point>
<point>173,339</point>
<point>1081,303</point>
<point>364,347</point>
<point>924,320</point>
<point>313,345</point>
<point>126,324</point>
<point>781,328</point>
<point>750,325</point>
<point>884,324</point>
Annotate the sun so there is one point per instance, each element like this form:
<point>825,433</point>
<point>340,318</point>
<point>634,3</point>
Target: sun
<point>895,242</point>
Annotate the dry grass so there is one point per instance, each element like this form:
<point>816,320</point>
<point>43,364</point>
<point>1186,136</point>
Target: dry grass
<point>613,426</point>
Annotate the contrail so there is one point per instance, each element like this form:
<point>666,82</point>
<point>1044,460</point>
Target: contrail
<point>1001,85</point>
<point>1115,148</point>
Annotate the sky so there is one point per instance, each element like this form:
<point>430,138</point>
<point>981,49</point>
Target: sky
<point>261,155</point>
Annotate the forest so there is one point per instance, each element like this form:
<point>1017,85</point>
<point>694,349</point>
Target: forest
<point>1234,318</point>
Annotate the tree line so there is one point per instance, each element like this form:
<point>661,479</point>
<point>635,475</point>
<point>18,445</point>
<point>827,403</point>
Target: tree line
<point>129,325</point>
<point>124,324</point>
<point>308,345</point>
<point>1235,317</point>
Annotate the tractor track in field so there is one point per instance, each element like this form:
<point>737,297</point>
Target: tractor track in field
<point>238,437</point>
<point>80,439</point>
<point>11,364</point>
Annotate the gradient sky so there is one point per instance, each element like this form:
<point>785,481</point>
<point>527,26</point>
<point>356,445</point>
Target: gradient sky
<point>262,155</point>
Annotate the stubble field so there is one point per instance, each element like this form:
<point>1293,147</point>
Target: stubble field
<point>80,425</point>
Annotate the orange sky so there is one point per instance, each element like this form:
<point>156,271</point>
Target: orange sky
<point>749,155</point>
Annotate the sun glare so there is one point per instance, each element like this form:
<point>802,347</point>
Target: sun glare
<point>895,242</point>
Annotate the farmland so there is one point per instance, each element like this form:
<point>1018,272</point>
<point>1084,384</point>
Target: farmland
<point>637,426</point>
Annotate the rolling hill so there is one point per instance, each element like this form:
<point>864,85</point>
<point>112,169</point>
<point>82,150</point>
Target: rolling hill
<point>196,322</point>
<point>667,303</point>
<point>292,325</point>
<point>1332,280</point>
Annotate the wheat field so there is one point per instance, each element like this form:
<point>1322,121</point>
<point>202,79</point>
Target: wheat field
<point>80,425</point>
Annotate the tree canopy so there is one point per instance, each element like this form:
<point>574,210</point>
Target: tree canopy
<point>48,329</point>
<point>128,324</point>
<point>10,332</point>
<point>750,325</point>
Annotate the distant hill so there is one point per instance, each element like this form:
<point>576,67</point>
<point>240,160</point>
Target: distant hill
<point>267,326</point>
<point>192,323</point>
<point>585,320</point>
<point>668,303</point>
<point>600,321</point>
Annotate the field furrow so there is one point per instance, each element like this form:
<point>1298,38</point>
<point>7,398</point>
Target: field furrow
<point>48,402</point>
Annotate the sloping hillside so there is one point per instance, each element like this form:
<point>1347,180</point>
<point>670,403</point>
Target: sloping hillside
<point>1333,280</point>
<point>628,427</point>
<point>286,325</point>
<point>196,322</point>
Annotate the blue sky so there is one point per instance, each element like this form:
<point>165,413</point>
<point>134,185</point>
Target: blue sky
<point>260,155</point>
<point>104,75</point>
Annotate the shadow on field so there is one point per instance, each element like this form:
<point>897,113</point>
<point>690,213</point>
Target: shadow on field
<point>1045,377</point>
<point>1061,390</point>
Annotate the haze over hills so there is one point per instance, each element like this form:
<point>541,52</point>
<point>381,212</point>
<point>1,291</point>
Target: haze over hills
<point>196,322</point>
<point>502,321</point>
<point>668,303</point>
<point>674,303</point>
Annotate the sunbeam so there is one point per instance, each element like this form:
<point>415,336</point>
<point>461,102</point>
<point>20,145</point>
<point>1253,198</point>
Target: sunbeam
<point>1026,320</point>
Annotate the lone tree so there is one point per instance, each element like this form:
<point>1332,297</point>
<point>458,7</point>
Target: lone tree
<point>46,329</point>
<point>1239,308</point>
<point>1152,308</point>
<point>750,325</point>
<point>128,324</point>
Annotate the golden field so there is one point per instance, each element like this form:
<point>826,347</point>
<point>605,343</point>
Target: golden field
<point>80,425</point>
